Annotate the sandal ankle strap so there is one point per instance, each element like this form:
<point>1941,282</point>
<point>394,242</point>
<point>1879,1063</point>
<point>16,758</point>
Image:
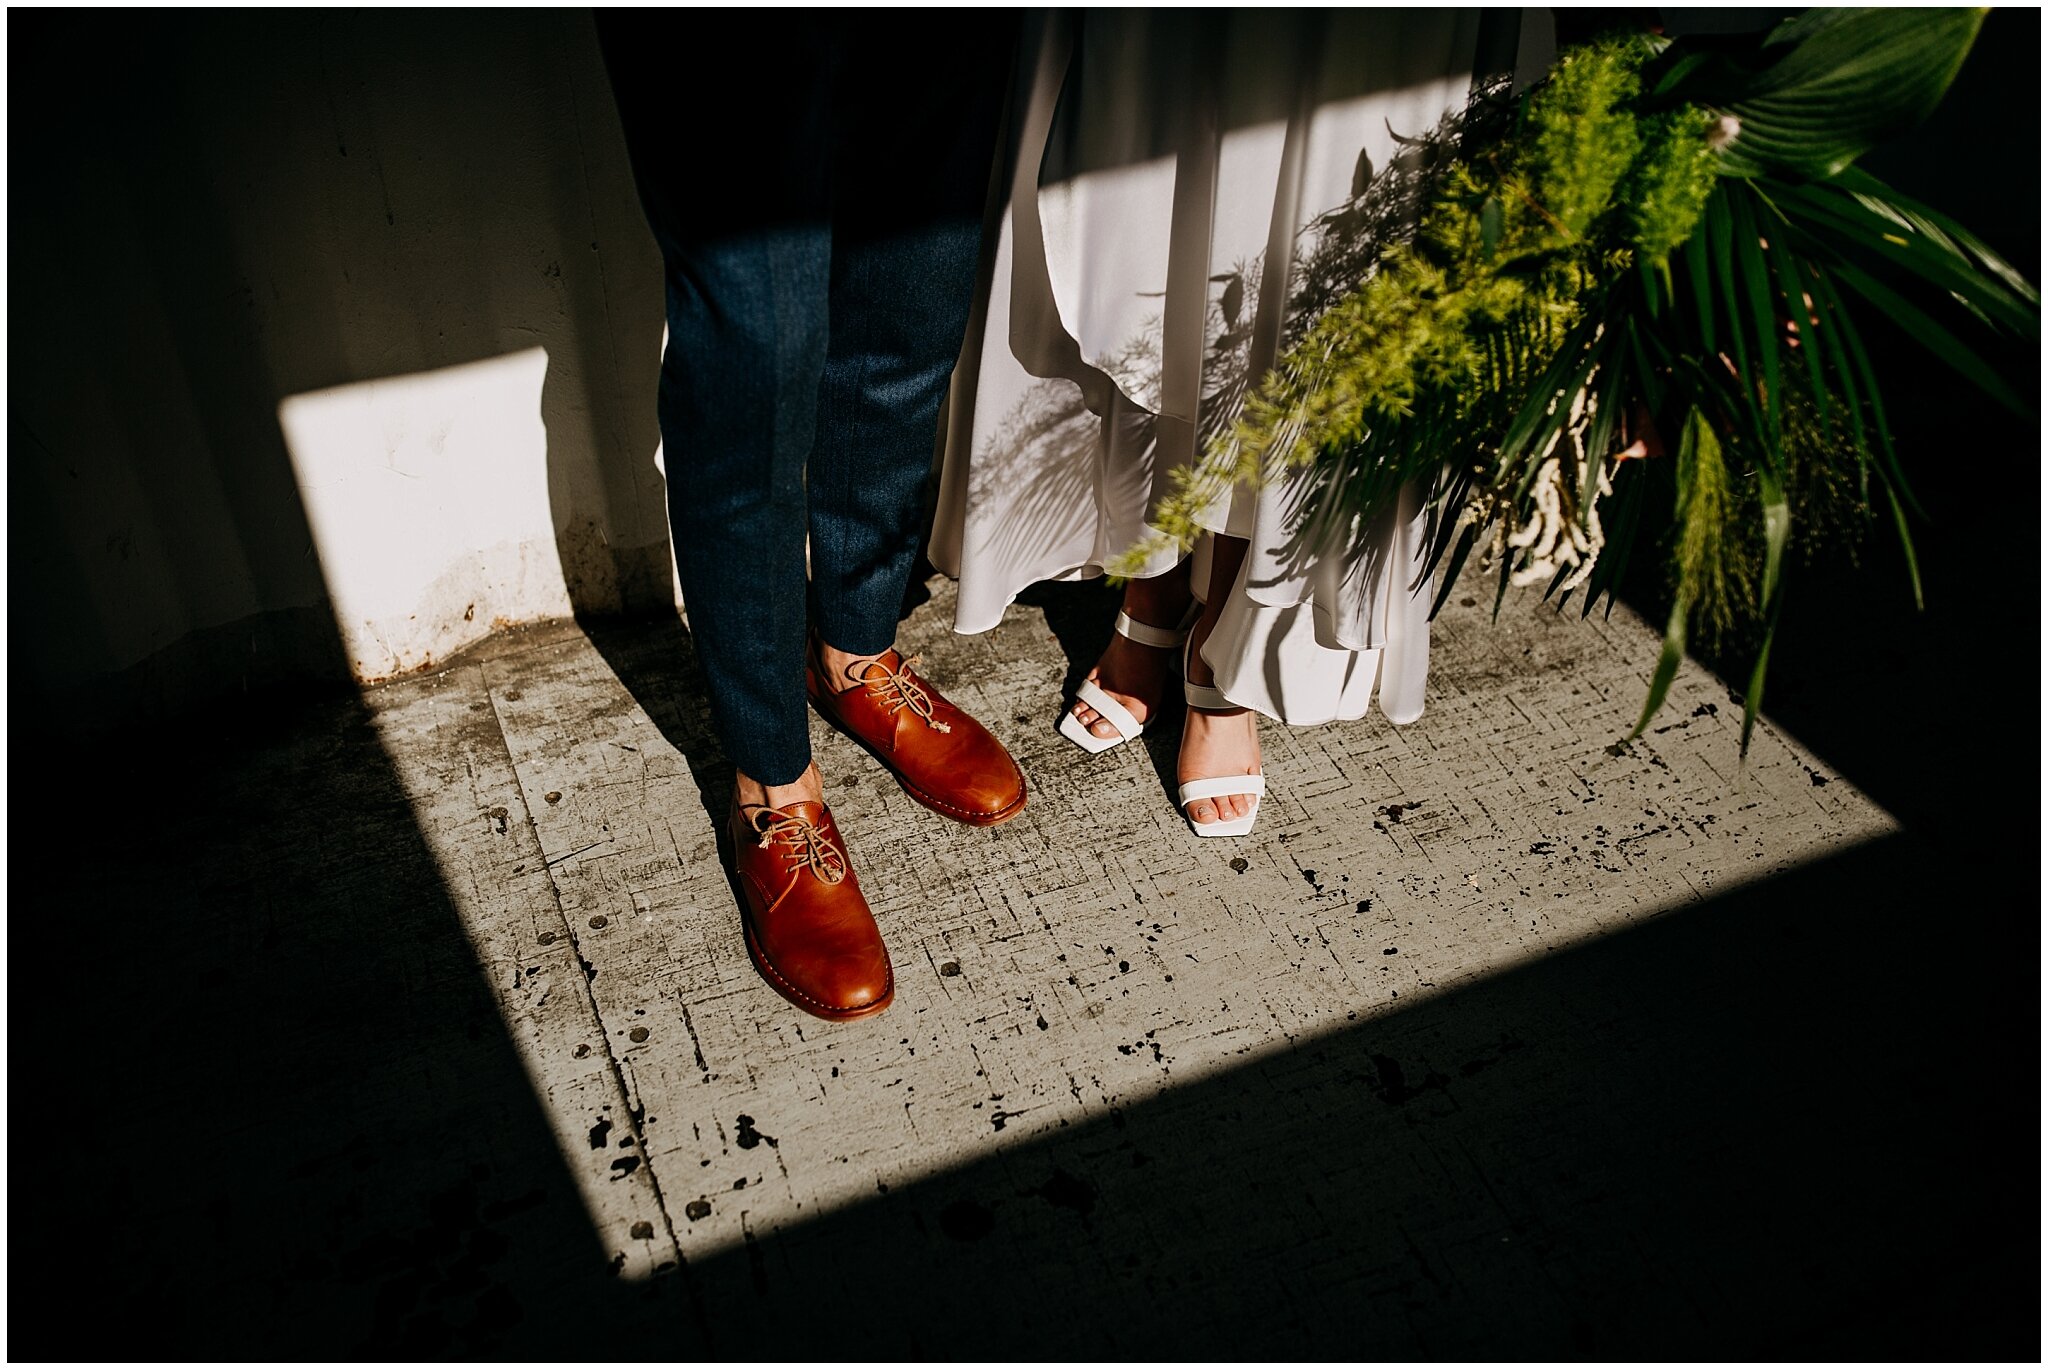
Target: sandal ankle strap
<point>1146,635</point>
<point>1200,696</point>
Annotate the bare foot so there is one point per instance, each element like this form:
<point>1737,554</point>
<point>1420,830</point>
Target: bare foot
<point>1216,742</point>
<point>1131,673</point>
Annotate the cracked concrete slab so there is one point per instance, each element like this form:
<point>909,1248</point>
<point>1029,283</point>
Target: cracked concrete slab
<point>1086,957</point>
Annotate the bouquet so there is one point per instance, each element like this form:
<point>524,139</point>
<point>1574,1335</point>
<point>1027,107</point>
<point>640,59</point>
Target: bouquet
<point>1660,237</point>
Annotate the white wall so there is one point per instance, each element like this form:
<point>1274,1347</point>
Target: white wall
<point>333,344</point>
<point>427,501</point>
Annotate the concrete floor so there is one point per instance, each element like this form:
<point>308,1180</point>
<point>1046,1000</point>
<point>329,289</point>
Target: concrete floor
<point>421,1025</point>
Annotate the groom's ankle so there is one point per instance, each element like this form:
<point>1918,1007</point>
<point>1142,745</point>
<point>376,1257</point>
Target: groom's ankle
<point>840,670</point>
<point>749,793</point>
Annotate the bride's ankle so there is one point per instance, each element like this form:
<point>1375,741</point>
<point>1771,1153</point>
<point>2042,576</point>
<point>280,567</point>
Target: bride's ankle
<point>1137,668</point>
<point>1159,601</point>
<point>1197,667</point>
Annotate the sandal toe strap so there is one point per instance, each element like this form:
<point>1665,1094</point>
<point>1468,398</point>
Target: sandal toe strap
<point>1096,698</point>
<point>1215,787</point>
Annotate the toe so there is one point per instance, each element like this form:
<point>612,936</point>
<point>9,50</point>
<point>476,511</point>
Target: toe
<point>1093,721</point>
<point>1202,811</point>
<point>1231,806</point>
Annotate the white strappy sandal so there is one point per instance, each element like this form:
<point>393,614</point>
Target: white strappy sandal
<point>1128,728</point>
<point>1215,787</point>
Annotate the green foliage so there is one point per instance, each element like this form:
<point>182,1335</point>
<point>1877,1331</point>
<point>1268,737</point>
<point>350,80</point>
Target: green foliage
<point>1826,86</point>
<point>1584,138</point>
<point>1669,184</point>
<point>1652,231</point>
<point>1426,356</point>
<point>1711,563</point>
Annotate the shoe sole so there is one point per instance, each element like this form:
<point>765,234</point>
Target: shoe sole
<point>804,1001</point>
<point>937,806</point>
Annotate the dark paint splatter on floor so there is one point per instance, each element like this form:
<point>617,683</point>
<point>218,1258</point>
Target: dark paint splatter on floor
<point>1063,1190</point>
<point>964,1220</point>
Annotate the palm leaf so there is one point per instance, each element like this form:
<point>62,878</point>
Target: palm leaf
<point>1934,337</point>
<point>1831,354</point>
<point>1859,222</point>
<point>1450,577</point>
<point>1753,693</point>
<point>1906,545</point>
<point>1865,380</point>
<point>1690,435</point>
<point>1623,524</point>
<point>1698,272</point>
<point>1668,660</point>
<point>1794,292</point>
<point>1720,226</point>
<point>1829,85</point>
<point>1938,226</point>
<point>1535,420</point>
<point>1755,282</point>
<point>1777,528</point>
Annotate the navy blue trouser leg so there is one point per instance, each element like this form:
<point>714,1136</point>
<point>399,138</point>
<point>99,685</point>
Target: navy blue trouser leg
<point>910,183</point>
<point>899,307</point>
<point>819,233</point>
<point>747,332</point>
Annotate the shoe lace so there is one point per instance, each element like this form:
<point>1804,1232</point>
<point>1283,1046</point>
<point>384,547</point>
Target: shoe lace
<point>900,690</point>
<point>802,844</point>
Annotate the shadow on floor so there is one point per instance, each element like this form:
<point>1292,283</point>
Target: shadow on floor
<point>1769,1125</point>
<point>276,1113</point>
<point>655,658</point>
<point>1082,615</point>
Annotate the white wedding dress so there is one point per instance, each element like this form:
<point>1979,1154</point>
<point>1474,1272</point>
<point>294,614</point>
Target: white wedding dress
<point>1177,199</point>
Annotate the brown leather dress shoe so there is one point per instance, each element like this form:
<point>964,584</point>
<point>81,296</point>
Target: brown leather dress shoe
<point>806,921</point>
<point>945,760</point>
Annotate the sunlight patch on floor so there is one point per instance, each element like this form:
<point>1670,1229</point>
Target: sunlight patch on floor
<point>1070,964</point>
